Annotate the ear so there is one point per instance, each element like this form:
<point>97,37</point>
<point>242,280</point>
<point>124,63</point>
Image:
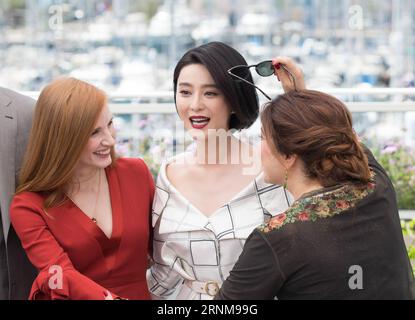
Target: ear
<point>289,161</point>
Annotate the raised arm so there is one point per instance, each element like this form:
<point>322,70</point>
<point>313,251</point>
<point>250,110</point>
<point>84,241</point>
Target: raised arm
<point>285,68</point>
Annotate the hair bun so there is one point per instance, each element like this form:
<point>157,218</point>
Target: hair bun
<point>318,129</point>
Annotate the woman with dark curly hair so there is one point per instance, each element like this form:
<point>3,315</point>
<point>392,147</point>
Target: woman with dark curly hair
<point>341,238</point>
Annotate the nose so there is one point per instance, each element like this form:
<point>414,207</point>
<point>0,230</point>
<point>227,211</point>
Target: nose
<point>109,139</point>
<point>196,104</point>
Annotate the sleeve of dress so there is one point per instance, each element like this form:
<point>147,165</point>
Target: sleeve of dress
<point>162,279</point>
<point>256,275</point>
<point>150,180</point>
<point>274,199</point>
<point>57,279</point>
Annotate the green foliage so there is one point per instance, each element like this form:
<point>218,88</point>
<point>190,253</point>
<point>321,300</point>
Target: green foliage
<point>148,7</point>
<point>153,165</point>
<point>408,230</point>
<point>16,4</point>
<point>399,163</point>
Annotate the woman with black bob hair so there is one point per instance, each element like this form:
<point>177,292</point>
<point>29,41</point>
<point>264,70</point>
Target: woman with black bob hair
<point>218,57</point>
<point>341,238</point>
<point>210,199</point>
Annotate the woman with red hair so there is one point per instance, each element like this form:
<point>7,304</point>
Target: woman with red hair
<point>82,214</point>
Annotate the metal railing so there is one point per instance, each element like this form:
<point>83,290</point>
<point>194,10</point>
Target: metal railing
<point>162,102</point>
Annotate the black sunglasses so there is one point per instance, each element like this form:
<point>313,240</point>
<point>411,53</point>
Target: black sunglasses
<point>264,69</point>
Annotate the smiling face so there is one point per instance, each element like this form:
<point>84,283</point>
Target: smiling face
<point>200,103</point>
<point>96,153</point>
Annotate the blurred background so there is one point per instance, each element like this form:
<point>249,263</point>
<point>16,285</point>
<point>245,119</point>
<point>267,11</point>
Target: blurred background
<point>360,51</point>
<point>124,45</point>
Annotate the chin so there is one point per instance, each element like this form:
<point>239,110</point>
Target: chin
<point>266,179</point>
<point>108,163</point>
<point>103,164</point>
<point>270,180</point>
<point>197,134</point>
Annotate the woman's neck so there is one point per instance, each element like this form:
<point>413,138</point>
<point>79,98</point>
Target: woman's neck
<point>300,185</point>
<point>85,180</point>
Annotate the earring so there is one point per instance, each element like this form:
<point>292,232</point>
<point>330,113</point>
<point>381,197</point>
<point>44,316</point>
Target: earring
<point>286,179</point>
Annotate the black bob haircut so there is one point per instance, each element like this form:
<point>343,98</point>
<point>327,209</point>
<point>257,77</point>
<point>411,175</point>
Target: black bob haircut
<point>218,58</point>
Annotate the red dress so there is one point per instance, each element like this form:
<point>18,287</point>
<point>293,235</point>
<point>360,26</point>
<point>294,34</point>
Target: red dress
<point>66,242</point>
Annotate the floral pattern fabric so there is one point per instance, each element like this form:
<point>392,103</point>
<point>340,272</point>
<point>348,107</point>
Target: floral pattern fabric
<point>321,204</point>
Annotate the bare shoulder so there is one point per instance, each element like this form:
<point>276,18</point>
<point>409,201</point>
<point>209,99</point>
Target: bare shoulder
<point>180,167</point>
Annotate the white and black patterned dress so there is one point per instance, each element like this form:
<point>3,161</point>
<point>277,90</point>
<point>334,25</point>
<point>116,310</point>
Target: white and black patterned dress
<point>188,245</point>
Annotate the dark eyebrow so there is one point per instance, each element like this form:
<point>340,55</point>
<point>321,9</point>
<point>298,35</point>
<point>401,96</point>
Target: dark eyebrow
<point>203,86</point>
<point>210,86</point>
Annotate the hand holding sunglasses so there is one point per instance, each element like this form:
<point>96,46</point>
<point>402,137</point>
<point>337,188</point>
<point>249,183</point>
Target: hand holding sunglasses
<point>264,69</point>
<point>289,70</point>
